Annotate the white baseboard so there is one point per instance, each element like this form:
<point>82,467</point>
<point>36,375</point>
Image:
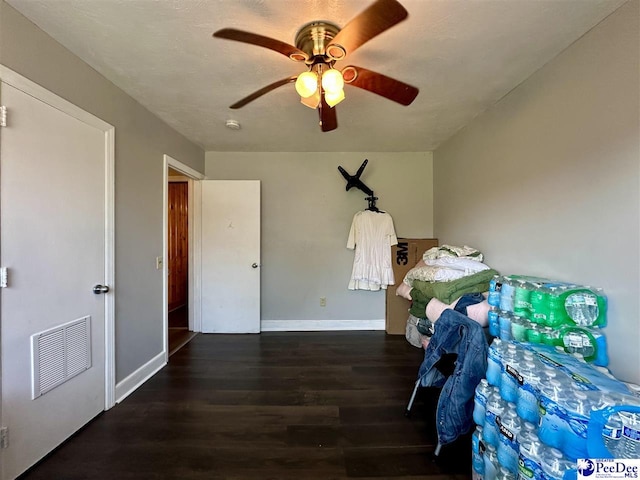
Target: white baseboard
<point>320,325</point>
<point>127,386</point>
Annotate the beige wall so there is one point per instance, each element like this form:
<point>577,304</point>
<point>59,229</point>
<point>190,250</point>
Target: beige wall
<point>306,216</point>
<point>547,181</point>
<point>141,141</point>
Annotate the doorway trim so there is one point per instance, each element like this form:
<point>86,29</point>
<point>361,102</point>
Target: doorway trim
<point>194,229</point>
<point>31,88</point>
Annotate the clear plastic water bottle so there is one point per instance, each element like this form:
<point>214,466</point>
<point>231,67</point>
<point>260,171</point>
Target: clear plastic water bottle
<point>588,342</point>
<point>483,390</point>
<point>519,327</point>
<point>507,292</point>
<point>496,407</point>
<point>527,401</point>
<point>530,455</point>
<point>477,454</point>
<point>522,297</point>
<point>539,302</point>
<point>490,462</point>
<point>508,378</point>
<point>495,284</point>
<point>629,446</point>
<point>510,426</point>
<point>554,464</point>
<point>504,322</point>
<point>586,306</point>
<point>552,425</point>
<point>529,427</point>
<point>556,314</point>
<point>494,323</point>
<point>612,433</point>
<point>578,410</point>
<point>548,373</point>
<point>505,474</point>
<point>494,361</point>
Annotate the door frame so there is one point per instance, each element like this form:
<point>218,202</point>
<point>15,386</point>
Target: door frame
<point>193,178</point>
<point>31,88</point>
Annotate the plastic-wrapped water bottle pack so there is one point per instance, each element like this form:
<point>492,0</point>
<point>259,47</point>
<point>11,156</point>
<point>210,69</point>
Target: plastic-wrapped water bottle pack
<point>534,414</point>
<point>541,311</point>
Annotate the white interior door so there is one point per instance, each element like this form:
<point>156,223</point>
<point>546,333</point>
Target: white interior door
<point>230,256</point>
<point>53,240</point>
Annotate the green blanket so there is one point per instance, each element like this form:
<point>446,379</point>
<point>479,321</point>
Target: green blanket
<point>447,292</point>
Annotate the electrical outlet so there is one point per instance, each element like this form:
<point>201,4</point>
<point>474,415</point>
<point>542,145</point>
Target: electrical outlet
<point>323,301</point>
<point>159,263</point>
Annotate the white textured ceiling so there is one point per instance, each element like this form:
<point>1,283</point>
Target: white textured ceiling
<point>463,55</point>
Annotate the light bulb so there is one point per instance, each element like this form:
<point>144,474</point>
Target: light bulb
<point>332,81</point>
<point>306,84</point>
<point>311,101</point>
<point>334,98</point>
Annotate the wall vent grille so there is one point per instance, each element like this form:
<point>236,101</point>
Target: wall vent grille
<point>59,354</point>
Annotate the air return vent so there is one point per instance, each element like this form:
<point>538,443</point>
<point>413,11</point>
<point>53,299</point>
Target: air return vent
<point>59,354</point>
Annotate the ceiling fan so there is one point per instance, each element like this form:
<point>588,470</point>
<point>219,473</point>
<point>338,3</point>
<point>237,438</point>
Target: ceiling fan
<point>319,45</point>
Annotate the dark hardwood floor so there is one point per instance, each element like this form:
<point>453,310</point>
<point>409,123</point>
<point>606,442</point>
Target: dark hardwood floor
<point>311,406</point>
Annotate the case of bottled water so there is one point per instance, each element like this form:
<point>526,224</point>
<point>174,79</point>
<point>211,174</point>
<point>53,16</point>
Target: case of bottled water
<point>543,385</point>
<point>548,302</point>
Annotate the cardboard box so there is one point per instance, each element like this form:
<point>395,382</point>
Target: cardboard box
<point>404,257</point>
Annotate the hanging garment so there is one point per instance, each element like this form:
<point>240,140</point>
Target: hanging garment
<point>371,235</point>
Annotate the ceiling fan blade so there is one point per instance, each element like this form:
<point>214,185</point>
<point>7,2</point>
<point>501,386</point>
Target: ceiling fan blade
<point>380,84</point>
<point>285,49</point>
<point>262,91</point>
<point>328,117</point>
<point>378,17</point>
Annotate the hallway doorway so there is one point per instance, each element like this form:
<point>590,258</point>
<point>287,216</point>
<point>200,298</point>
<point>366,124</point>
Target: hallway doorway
<point>181,253</point>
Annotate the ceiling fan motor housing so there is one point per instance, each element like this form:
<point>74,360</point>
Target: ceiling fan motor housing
<point>314,38</point>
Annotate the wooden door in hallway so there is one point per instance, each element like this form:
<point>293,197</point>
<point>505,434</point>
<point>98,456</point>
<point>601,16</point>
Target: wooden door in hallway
<point>178,239</point>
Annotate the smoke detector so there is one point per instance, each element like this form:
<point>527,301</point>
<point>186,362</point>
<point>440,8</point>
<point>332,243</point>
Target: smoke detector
<point>232,124</point>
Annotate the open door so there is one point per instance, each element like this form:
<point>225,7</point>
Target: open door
<point>230,290</point>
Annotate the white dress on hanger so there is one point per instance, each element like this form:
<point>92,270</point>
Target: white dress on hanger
<point>371,235</point>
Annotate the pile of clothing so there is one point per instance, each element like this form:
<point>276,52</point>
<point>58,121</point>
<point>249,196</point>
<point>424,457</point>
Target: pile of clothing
<point>447,277</point>
<point>449,311</point>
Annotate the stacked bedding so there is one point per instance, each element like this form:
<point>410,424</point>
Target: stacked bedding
<point>444,277</point>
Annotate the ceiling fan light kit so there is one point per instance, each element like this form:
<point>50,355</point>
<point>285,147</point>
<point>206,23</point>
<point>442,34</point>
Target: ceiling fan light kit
<point>319,45</point>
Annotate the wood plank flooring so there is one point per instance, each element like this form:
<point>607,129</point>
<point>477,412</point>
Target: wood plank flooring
<point>326,405</point>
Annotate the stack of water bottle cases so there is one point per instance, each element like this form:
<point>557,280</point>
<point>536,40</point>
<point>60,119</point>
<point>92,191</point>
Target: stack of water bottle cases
<point>546,375</point>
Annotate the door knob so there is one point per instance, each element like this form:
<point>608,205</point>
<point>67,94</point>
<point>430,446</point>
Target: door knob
<point>255,265</point>
<point>98,289</point>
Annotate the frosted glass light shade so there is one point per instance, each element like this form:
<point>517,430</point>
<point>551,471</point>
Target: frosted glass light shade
<point>311,101</point>
<point>333,98</point>
<point>332,81</point>
<point>306,84</point>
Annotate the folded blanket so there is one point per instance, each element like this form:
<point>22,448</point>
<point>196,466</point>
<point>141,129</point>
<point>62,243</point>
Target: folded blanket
<point>443,269</point>
<point>467,265</point>
<point>447,292</point>
<point>453,251</point>
<point>432,273</point>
